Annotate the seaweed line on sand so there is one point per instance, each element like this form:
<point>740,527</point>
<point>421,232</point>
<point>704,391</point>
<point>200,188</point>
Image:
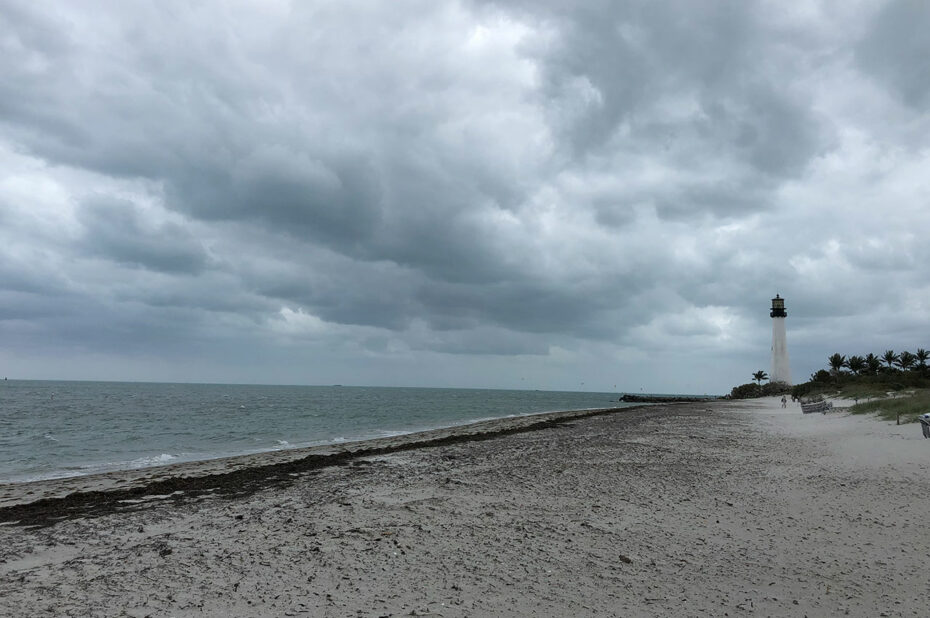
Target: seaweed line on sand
<point>246,481</point>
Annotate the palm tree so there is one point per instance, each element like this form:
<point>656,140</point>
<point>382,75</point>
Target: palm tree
<point>906,360</point>
<point>836,364</point>
<point>890,358</point>
<point>922,357</point>
<point>873,363</point>
<point>856,364</point>
<point>759,376</point>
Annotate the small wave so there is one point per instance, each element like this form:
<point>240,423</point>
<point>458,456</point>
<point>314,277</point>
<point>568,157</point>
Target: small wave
<point>49,436</point>
<point>390,433</point>
<point>43,476</point>
<point>155,460</point>
<point>283,443</point>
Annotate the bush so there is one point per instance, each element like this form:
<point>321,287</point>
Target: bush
<point>853,386</point>
<point>822,376</point>
<point>746,391</point>
<point>752,390</point>
<point>776,388</point>
<point>802,390</point>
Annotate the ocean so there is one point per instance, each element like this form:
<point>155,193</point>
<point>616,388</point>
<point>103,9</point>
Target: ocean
<point>52,429</point>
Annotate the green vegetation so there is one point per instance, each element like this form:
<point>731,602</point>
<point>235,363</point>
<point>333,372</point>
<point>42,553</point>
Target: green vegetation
<point>905,408</point>
<point>893,385</point>
<point>751,390</point>
<point>899,390</point>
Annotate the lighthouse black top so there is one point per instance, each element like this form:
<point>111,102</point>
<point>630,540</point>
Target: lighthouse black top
<point>778,307</point>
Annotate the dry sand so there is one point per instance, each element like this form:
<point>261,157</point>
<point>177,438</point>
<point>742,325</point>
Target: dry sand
<point>683,510</point>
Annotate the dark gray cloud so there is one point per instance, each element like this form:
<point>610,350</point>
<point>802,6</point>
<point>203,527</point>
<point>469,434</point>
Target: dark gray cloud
<point>896,51</point>
<point>115,230</point>
<point>425,186</point>
<point>658,76</point>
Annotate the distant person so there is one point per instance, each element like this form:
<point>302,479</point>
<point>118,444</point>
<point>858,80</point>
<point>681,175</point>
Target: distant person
<point>784,402</point>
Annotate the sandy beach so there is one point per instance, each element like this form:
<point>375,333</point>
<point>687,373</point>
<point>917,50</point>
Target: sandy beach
<point>716,509</point>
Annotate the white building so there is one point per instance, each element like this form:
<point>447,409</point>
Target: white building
<point>781,371</point>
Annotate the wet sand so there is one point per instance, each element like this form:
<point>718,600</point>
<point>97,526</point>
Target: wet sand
<point>726,508</point>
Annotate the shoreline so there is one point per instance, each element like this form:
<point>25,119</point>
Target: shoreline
<point>377,434</point>
<point>722,508</point>
<point>109,427</point>
<point>45,501</point>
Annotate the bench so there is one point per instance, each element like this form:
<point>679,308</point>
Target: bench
<point>816,406</point>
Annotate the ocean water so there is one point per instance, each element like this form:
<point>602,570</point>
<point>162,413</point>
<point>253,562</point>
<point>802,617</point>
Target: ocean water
<point>54,429</point>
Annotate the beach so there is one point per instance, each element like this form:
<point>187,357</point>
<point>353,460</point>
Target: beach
<point>711,508</point>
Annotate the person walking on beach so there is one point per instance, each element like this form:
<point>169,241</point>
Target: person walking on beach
<point>784,402</point>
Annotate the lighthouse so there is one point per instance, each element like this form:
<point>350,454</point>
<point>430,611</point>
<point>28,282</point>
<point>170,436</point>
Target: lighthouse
<point>780,369</point>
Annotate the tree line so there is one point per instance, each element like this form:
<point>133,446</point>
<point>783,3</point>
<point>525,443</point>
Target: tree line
<point>871,364</point>
<point>892,369</point>
<point>889,371</point>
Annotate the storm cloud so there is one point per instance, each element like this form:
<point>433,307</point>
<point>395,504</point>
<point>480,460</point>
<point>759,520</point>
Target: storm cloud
<point>509,194</point>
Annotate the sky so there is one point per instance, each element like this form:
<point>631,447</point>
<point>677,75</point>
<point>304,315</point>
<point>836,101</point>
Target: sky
<point>499,194</point>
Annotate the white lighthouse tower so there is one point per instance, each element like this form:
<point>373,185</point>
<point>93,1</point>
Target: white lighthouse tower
<point>781,372</point>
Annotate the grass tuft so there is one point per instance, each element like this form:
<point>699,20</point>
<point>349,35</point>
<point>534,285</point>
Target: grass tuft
<point>907,406</point>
